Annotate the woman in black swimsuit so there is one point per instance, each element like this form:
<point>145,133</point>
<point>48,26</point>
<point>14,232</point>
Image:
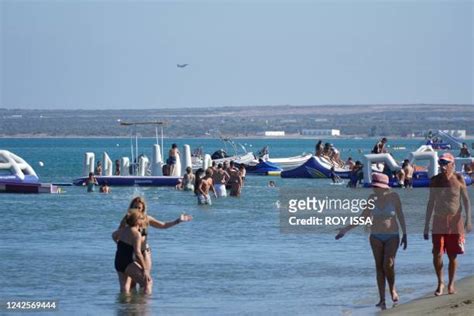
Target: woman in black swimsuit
<point>129,261</point>
<point>139,204</point>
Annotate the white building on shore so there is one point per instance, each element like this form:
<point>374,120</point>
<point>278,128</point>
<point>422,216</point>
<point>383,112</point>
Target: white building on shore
<point>321,132</point>
<point>274,133</point>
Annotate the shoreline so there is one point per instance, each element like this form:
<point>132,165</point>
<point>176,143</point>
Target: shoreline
<point>461,303</point>
<point>291,137</point>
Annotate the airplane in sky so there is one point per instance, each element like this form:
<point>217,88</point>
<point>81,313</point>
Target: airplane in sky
<point>181,65</point>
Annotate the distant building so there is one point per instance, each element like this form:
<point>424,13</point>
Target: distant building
<point>289,121</point>
<point>321,132</point>
<point>274,133</point>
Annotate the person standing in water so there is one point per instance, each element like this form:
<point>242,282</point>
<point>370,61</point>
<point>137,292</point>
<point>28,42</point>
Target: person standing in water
<point>235,180</point>
<point>243,173</point>
<point>172,158</point>
<point>90,182</point>
<point>447,190</point>
<point>188,180</point>
<point>220,178</point>
<point>408,171</point>
<point>205,186</point>
<point>104,188</point>
<point>130,263</point>
<point>138,204</point>
<point>384,234</point>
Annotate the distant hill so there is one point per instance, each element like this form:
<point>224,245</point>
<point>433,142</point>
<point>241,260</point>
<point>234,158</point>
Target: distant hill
<point>362,120</point>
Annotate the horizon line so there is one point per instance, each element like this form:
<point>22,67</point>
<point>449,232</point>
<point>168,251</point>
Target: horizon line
<point>238,106</point>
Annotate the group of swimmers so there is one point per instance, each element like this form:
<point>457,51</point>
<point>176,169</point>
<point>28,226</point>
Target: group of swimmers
<point>217,178</point>
<point>91,182</point>
<point>448,195</point>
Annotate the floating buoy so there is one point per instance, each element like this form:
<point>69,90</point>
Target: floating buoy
<point>40,163</point>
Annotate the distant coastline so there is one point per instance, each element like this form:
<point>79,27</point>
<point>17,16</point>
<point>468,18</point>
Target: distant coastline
<point>208,137</point>
<point>314,137</point>
<point>395,121</point>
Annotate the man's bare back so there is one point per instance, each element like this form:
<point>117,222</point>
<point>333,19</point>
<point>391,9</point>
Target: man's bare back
<point>220,177</point>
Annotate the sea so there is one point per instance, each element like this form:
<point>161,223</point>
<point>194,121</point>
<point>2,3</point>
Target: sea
<point>232,258</point>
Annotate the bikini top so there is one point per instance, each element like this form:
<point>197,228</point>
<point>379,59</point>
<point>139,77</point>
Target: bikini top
<point>387,211</point>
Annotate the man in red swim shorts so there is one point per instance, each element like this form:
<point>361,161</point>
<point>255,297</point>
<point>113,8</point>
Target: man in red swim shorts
<point>447,190</point>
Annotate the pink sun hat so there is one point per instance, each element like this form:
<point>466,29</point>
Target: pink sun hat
<point>447,157</point>
<point>380,180</point>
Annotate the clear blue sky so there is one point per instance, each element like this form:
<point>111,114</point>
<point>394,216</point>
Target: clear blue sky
<point>110,54</point>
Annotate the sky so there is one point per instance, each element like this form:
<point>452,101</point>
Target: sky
<point>94,54</point>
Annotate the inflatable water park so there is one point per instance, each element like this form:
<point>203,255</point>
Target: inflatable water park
<point>322,167</point>
<point>127,172</point>
<point>17,176</point>
<point>139,170</point>
<point>421,178</point>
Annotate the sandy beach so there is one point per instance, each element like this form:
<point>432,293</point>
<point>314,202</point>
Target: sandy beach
<point>461,303</point>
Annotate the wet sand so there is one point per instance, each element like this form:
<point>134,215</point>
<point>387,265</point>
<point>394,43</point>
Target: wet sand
<point>461,303</point>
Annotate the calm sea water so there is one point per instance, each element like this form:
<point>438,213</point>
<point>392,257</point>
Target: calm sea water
<point>231,259</point>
